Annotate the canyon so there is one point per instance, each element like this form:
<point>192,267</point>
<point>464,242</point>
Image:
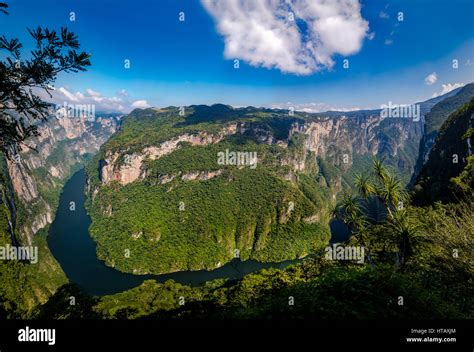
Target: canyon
<point>39,172</point>
<point>337,139</point>
<point>142,167</point>
<point>303,159</point>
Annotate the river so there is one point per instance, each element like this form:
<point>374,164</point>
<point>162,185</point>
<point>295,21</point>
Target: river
<point>74,249</point>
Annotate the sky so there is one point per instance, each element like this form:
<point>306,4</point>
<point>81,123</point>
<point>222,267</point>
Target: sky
<point>289,52</point>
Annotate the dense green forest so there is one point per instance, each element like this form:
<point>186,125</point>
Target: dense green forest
<point>419,267</point>
<point>274,210</point>
<point>162,198</point>
<point>24,286</point>
<point>451,154</point>
<point>418,263</point>
<point>418,259</point>
<point>197,224</point>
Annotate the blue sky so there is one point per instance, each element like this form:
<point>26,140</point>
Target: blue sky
<point>192,62</point>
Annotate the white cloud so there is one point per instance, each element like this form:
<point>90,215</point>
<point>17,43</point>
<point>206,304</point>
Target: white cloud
<point>384,15</point>
<point>93,93</point>
<point>142,104</point>
<point>388,42</point>
<point>371,36</point>
<point>314,107</point>
<point>70,96</point>
<point>263,34</point>
<point>431,79</point>
<point>446,88</point>
<point>117,103</point>
<point>123,93</point>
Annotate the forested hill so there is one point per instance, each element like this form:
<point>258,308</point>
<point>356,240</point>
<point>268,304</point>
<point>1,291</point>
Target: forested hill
<point>451,154</point>
<point>435,117</point>
<point>159,188</point>
<point>418,261</point>
<point>30,186</point>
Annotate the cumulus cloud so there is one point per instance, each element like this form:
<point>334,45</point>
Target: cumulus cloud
<point>431,79</point>
<point>268,33</point>
<point>120,102</point>
<point>70,96</point>
<point>446,88</point>
<point>93,93</point>
<point>142,104</point>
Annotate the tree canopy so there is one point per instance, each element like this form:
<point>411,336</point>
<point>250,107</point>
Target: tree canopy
<point>24,79</point>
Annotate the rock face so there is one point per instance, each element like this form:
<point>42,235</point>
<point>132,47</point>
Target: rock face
<point>336,139</point>
<point>201,176</point>
<point>434,117</point>
<point>62,145</point>
<point>130,169</point>
<point>343,138</point>
<point>447,159</point>
<point>23,183</point>
<point>159,177</point>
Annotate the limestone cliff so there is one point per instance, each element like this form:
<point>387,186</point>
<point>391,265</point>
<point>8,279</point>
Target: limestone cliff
<point>38,174</point>
<point>337,139</point>
<point>130,169</point>
<point>157,186</point>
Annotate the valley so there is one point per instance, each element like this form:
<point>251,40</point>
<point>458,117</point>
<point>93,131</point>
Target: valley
<point>31,185</point>
<point>236,163</point>
<point>160,206</point>
<point>162,160</point>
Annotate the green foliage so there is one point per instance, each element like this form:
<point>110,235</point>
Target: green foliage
<point>148,298</point>
<point>436,283</point>
<point>409,250</point>
<point>397,233</point>
<point>328,171</point>
<point>236,208</point>
<point>68,302</point>
<point>21,77</point>
<point>320,290</point>
<point>240,209</point>
<point>25,285</point>
<point>449,158</point>
<point>463,184</point>
<point>437,116</point>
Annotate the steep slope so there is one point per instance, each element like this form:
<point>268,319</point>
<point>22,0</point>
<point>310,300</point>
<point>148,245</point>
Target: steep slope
<point>450,155</point>
<point>162,199</point>
<point>435,118</point>
<point>30,185</point>
<point>38,175</point>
